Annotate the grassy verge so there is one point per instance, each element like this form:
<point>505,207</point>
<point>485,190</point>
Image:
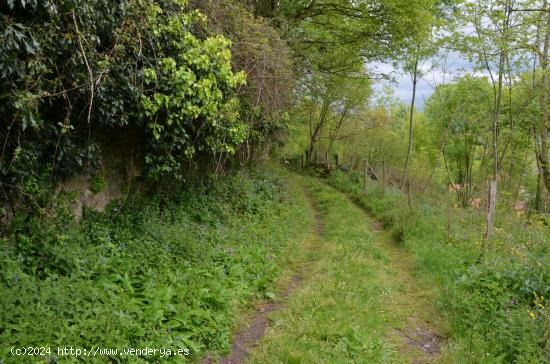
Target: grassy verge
<point>164,272</point>
<point>356,295</point>
<point>497,306</point>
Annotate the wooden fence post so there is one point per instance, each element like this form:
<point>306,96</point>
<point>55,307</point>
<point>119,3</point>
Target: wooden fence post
<point>448,209</point>
<point>366,176</point>
<point>409,197</point>
<point>491,210</point>
<point>383,177</point>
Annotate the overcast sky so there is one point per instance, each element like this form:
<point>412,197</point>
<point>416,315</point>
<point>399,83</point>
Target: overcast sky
<point>402,84</point>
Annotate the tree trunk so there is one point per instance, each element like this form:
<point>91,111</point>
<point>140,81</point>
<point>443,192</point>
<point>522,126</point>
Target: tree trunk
<point>316,129</point>
<point>496,117</point>
<point>538,198</point>
<point>492,201</point>
<point>411,117</point>
<point>544,155</point>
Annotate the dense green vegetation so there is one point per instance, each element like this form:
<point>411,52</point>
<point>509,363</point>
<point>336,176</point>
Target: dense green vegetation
<point>495,304</point>
<point>167,272</point>
<point>132,212</point>
<point>79,76</point>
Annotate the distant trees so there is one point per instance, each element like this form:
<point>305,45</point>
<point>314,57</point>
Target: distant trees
<point>487,126</point>
<point>332,40</point>
<point>458,114</point>
<point>329,103</point>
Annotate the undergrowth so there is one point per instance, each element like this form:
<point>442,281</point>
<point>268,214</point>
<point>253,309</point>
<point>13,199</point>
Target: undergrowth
<point>495,302</point>
<point>165,271</point>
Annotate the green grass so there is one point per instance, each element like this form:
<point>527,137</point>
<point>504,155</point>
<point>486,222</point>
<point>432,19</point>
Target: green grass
<point>496,306</point>
<point>167,271</point>
<point>184,271</point>
<point>356,293</point>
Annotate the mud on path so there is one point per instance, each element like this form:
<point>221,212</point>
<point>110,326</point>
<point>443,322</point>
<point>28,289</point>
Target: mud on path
<point>249,336</point>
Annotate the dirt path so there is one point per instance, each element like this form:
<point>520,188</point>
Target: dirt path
<point>249,336</point>
<point>361,301</point>
<point>418,333</point>
<point>352,299</point>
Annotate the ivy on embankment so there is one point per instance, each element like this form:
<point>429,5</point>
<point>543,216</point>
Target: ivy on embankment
<point>71,68</point>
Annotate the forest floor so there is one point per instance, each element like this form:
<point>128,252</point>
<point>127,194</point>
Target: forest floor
<point>351,298</point>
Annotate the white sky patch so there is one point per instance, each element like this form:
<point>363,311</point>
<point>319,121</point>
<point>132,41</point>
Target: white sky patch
<point>444,72</point>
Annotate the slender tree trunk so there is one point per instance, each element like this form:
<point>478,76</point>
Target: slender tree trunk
<point>316,129</point>
<point>411,117</point>
<point>492,198</point>
<point>491,209</point>
<point>544,155</point>
<point>336,131</point>
<point>538,197</point>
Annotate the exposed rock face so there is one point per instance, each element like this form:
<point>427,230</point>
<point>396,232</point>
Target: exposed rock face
<point>86,198</point>
<point>121,156</point>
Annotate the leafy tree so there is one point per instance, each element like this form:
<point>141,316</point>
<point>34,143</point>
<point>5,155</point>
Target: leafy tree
<point>259,51</point>
<point>491,47</point>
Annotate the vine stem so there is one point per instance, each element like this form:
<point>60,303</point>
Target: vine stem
<point>91,75</point>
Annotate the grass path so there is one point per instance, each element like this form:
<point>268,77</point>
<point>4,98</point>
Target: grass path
<point>256,321</point>
<point>358,300</point>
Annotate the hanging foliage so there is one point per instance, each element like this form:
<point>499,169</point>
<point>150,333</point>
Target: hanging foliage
<point>72,67</point>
